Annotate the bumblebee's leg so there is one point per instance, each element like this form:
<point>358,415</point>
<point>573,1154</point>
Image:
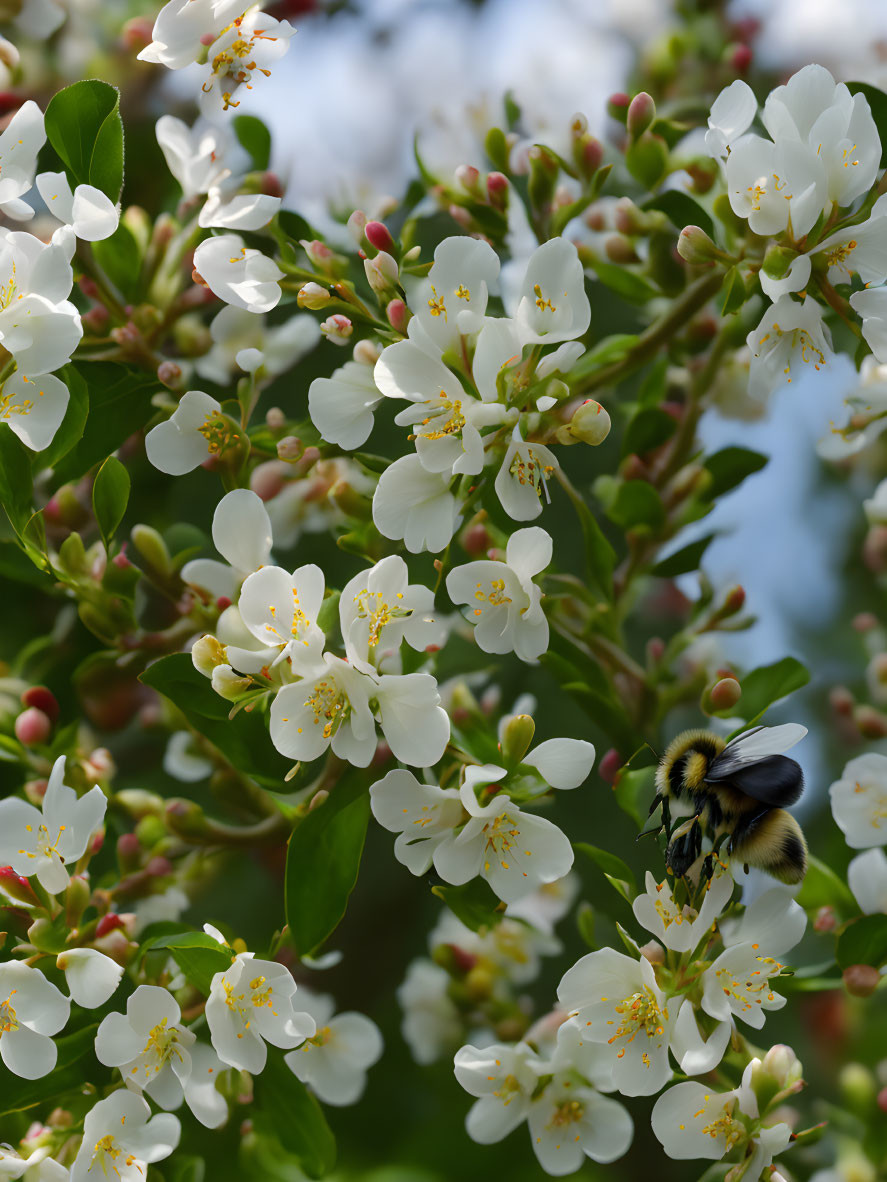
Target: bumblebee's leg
<point>683,849</point>
<point>666,817</point>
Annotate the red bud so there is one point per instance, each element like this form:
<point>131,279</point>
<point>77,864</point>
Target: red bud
<point>43,699</point>
<point>32,727</point>
<point>107,924</point>
<point>378,235</point>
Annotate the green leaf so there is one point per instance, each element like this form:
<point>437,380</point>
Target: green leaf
<point>185,1168</point>
<point>634,793</point>
<point>822,887</point>
<point>877,100</point>
<point>636,503</point>
<point>681,210</point>
<point>197,954</point>
<point>631,287</point>
<point>864,942</point>
<point>605,352</point>
<point>120,257</point>
<point>323,861</point>
<point>110,496</point>
<point>615,870</point>
<point>684,560</point>
<point>83,124</point>
<point>243,739</point>
<point>474,903</point>
<point>16,486</point>
<point>255,137</point>
<point>71,429</point>
<point>287,1110</point>
<point>767,684</point>
<point>734,292</point>
<point>729,467</point>
<point>15,565</point>
<point>119,405</point>
<point>294,226</point>
<point>648,429</point>
<point>18,1094</point>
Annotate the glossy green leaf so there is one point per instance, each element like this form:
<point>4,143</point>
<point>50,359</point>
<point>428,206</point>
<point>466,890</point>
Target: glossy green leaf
<point>631,287</point>
<point>71,429</point>
<point>120,257</point>
<point>197,954</point>
<point>864,942</point>
<point>684,560</point>
<point>16,486</point>
<point>83,124</point>
<point>767,684</point>
<point>323,861</point>
<point>615,870</point>
<point>255,137</point>
<point>636,503</point>
<point>243,739</point>
<point>634,793</point>
<point>648,429</point>
<point>877,101</point>
<point>733,292</point>
<point>729,467</point>
<point>681,210</point>
<point>288,1111</point>
<point>474,903</point>
<point>605,352</point>
<point>110,496</point>
<point>17,1095</point>
<point>822,887</point>
<point>119,404</point>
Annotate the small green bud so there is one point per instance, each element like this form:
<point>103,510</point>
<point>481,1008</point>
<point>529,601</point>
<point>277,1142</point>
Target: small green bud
<point>695,246</point>
<point>590,424</point>
<point>517,737</point>
<point>72,555</point>
<point>777,260</point>
<point>544,170</point>
<point>647,159</point>
<point>721,696</point>
<point>149,831</point>
<point>153,550</point>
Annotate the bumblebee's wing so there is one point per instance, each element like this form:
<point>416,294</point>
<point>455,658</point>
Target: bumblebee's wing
<point>753,763</point>
<point>776,780</point>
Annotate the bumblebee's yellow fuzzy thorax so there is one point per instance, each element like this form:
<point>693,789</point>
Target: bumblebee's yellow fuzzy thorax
<point>696,749</point>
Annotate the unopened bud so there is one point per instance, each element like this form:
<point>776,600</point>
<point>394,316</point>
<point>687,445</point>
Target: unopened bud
<point>479,983</point>
<point>783,1065</point>
<point>207,654</point>
<point>275,418</point>
<point>111,922</point>
<point>695,246</point>
<point>865,621</point>
<point>32,727</point>
<point>129,852</point>
<point>590,424</point>
<point>139,803</point>
<point>544,169</point>
<point>186,819</point>
<point>77,895</point>
<point>640,114</point>
<point>841,701</point>
<point>337,328</point>
<point>517,737</point>
<point>871,723</point>
<point>825,920</point>
<point>228,684</point>
<point>856,1082</point>
<point>497,190</point>
<point>740,57</point>
<point>381,272</point>
<point>149,831</point>
<point>95,320</point>
<point>723,695</point>
<point>778,260</point>
<point>169,374</point>
<point>356,224</point>
<point>861,980</point>
<point>608,768</point>
<point>313,296</point>
<point>620,249</point>
<point>397,314</point>
<point>289,448</point>
<point>152,548</point>
<point>653,952</point>
<point>591,156</point>
<point>617,106</point>
<point>43,699</point>
<point>365,352</point>
<point>734,600</point>
<point>882,1099</point>
<point>378,235</point>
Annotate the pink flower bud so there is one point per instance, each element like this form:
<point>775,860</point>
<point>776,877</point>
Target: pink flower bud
<point>356,224</point>
<point>96,319</point>
<point>365,353</point>
<point>43,699</point>
<point>861,980</point>
<point>469,178</point>
<point>378,235</point>
<point>741,58</point>
<point>289,448</point>
<point>108,923</point>
<point>88,286</point>
<point>32,727</point>
<point>271,185</point>
<point>882,1099</point>
<point>826,920</point>
<point>269,478</point>
<point>337,328</point>
<point>609,766</point>
<point>641,113</point>
<point>497,189</point>
<point>120,560</point>
<point>137,33</point>
<point>617,106</point>
<point>396,311</point>
<point>222,603</point>
<point>169,374</point>
<point>865,621</point>
<point>317,799</point>
<point>275,418</point>
<point>725,694</point>
<point>158,866</point>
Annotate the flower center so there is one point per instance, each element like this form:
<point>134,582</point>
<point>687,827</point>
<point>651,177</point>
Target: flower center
<point>495,597</point>
<point>667,909</point>
<point>44,846</point>
<point>502,834</point>
<point>846,161</point>
<point>7,290</point>
<point>216,430</point>
<point>9,407</point>
<point>723,1126</point>
<point>568,1112</point>
<point>801,342</point>
<point>235,59</point>
<point>262,993</point>
<point>836,257</point>
<point>507,1090</point>
<point>107,1147</point>
<point>640,1012</point>
<point>437,307</point>
<point>878,811</point>
<point>755,989</point>
<point>462,293</point>
<point>162,1044</point>
<point>541,302</point>
<point>8,1020</point>
<point>444,418</point>
<point>380,614</point>
<point>328,702</point>
<point>527,469</point>
<point>320,1039</point>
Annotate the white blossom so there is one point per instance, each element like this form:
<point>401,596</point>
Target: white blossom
<point>241,532</point>
<point>790,336</point>
<point>149,1045</point>
<point>36,1167</point>
<point>121,1137</point>
<point>523,477</point>
<point>615,1002</point>
<point>422,815</point>
<point>775,186</point>
<point>342,406</point>
<point>237,274</point>
<point>33,407</point>
<point>503,602</point>
<point>503,1078</point>
<point>415,505</point>
<point>859,801</point>
<point>90,213</point>
<point>92,978</point>
<point>737,984</point>
<point>570,1122</point>
<point>452,300</point>
<point>379,608</point>
<point>244,340</point>
<point>252,1002</point>
<point>196,431</point>
<point>31,1009</point>
<point>335,1060</point>
<point>44,842</point>
<point>871,305</point>
<point>552,305</point>
<point>732,114</point>
<point>199,156</point>
<point>20,142</point>
<point>280,610</point>
<point>867,878</point>
<point>868,405</point>
<point>38,324</point>
<point>513,850</point>
<point>431,1023</point>
<point>679,927</point>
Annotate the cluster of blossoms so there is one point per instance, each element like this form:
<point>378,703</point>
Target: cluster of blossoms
<point>348,660</point>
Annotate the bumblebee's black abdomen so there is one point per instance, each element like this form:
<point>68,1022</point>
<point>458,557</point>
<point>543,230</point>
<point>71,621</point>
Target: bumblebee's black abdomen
<point>772,842</point>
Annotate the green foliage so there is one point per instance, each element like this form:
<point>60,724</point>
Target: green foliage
<point>120,257</point>
<point>822,887</point>
<point>474,903</point>
<point>647,430</point>
<point>255,137</point>
<point>634,792</point>
<point>684,560</point>
<point>197,954</point>
<point>71,429</point>
<point>636,503</point>
<point>323,861</point>
<point>631,287</point>
<point>243,740</point>
<point>767,684</point>
<point>729,467</point>
<point>681,210</point>
<point>83,124</point>
<point>733,292</point>
<point>615,870</point>
<point>15,478</point>
<point>18,1095</point>
<point>864,942</point>
<point>286,1110</point>
<point>110,495</point>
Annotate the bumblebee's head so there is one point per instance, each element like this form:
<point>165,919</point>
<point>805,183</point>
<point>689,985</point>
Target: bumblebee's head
<point>686,760</point>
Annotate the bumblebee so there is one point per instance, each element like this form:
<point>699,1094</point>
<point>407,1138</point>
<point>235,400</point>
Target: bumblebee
<point>735,794</point>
